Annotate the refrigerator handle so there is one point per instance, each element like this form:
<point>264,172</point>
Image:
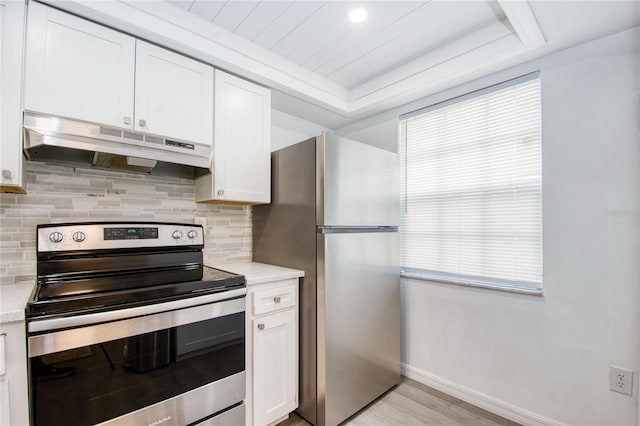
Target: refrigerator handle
<point>354,229</point>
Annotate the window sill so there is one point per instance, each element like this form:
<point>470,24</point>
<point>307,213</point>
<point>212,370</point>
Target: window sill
<point>470,283</point>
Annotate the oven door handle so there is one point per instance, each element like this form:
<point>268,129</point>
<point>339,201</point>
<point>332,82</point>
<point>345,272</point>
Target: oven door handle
<point>57,323</point>
<point>124,323</point>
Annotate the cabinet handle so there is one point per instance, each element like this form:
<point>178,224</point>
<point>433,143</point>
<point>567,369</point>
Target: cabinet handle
<point>220,191</point>
<point>3,355</point>
<point>261,326</point>
<point>276,299</point>
<point>7,174</point>
<point>126,120</point>
<point>142,122</point>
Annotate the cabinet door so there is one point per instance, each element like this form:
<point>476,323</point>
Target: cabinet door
<point>274,367</point>
<point>78,69</point>
<point>242,147</point>
<point>174,95</point>
<point>14,395</point>
<point>12,23</point>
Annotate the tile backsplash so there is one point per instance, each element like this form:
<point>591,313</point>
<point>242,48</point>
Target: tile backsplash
<point>58,194</point>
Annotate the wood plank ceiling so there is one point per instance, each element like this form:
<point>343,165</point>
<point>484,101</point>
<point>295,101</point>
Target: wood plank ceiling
<point>322,67</point>
<point>317,36</point>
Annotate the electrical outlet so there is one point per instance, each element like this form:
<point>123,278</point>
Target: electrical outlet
<point>621,380</point>
<point>200,220</point>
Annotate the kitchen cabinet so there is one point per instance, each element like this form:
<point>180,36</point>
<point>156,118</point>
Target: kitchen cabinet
<point>14,408</point>
<point>273,381</point>
<point>81,70</point>
<point>12,25</point>
<point>78,69</point>
<point>14,383</point>
<point>272,353</point>
<point>174,95</point>
<point>241,172</point>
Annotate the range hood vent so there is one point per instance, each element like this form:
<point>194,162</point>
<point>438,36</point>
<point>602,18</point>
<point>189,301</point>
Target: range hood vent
<point>78,143</point>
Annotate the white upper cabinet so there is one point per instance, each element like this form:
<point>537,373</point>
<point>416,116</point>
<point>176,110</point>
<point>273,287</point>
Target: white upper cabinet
<point>78,69</point>
<point>12,22</point>
<point>174,95</point>
<point>242,144</point>
<point>81,70</point>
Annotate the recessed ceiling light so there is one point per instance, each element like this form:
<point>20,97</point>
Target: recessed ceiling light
<point>357,15</point>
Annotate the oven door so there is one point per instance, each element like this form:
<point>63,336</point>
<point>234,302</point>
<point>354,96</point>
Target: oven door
<point>176,367</point>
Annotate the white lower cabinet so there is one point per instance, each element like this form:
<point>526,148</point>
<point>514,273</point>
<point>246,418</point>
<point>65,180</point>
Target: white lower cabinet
<point>272,351</point>
<point>274,384</point>
<point>14,409</point>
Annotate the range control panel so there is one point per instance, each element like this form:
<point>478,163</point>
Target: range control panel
<point>97,236</point>
<point>133,233</point>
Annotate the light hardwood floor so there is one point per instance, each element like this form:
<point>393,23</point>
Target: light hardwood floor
<point>412,403</point>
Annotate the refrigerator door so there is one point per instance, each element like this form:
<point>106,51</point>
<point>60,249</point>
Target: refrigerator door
<point>358,321</point>
<point>356,184</point>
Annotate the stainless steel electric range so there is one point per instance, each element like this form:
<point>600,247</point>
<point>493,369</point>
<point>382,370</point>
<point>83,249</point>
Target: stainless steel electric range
<point>128,327</point>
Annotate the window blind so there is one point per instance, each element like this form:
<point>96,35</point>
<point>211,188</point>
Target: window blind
<point>472,205</point>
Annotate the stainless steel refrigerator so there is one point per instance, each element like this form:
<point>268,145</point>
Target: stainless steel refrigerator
<point>334,214</point>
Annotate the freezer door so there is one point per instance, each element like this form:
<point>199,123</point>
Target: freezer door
<point>357,184</point>
<point>358,321</point>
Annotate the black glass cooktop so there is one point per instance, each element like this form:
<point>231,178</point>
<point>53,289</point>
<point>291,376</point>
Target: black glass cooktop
<point>104,293</point>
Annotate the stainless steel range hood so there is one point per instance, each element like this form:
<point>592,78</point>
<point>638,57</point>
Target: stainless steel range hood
<point>78,143</point>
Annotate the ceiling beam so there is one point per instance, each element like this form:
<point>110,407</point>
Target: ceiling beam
<point>524,22</point>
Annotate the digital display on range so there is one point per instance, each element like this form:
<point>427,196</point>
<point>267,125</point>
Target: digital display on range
<point>130,233</point>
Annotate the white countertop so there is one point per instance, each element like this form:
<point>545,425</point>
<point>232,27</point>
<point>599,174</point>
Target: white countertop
<point>13,300</point>
<point>259,273</point>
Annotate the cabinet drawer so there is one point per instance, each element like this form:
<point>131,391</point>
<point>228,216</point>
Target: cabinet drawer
<point>274,299</point>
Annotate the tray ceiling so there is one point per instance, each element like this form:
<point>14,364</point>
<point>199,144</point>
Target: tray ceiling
<point>317,35</point>
<point>332,71</point>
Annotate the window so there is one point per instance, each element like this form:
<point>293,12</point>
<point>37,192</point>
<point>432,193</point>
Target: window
<point>472,205</point>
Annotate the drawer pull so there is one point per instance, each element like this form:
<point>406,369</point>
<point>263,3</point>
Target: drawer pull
<point>261,326</point>
<point>276,299</point>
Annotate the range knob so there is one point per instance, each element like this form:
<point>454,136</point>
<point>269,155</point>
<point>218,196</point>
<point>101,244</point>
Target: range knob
<point>56,237</point>
<point>79,237</point>
<point>192,234</point>
<point>176,235</point>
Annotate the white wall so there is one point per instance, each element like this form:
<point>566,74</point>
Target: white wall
<point>383,134</point>
<point>287,130</point>
<point>550,355</point>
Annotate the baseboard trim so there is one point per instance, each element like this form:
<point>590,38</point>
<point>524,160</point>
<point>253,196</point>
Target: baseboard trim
<point>478,399</point>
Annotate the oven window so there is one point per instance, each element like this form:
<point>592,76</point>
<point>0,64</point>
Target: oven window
<point>92,384</point>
